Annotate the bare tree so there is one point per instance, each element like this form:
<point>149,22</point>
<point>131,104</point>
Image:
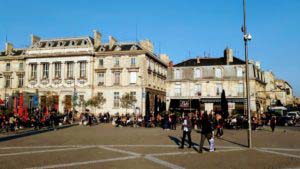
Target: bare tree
<point>96,102</point>
<point>127,101</point>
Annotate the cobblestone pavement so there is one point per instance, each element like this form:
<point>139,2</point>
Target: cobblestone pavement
<point>104,146</point>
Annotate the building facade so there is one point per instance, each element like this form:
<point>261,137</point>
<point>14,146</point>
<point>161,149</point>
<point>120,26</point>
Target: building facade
<point>86,67</point>
<point>196,84</point>
<point>279,92</point>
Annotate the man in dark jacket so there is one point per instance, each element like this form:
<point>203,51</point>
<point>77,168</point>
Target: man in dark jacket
<point>187,128</point>
<point>206,132</point>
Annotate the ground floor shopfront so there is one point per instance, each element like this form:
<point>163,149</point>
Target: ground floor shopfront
<point>235,105</point>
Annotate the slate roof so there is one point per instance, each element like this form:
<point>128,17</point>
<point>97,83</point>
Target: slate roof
<point>209,62</point>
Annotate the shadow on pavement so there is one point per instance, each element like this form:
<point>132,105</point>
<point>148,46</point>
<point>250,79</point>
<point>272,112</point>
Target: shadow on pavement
<point>229,141</point>
<point>32,132</point>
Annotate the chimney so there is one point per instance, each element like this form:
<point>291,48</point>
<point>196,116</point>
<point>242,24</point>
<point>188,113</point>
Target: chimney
<point>147,44</point>
<point>111,41</point>
<point>34,39</point>
<point>257,64</point>
<point>170,64</point>
<point>164,57</point>
<point>8,48</point>
<point>228,55</point>
<point>97,39</point>
<point>198,60</point>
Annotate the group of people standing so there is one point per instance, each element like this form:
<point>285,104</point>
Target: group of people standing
<point>207,124</point>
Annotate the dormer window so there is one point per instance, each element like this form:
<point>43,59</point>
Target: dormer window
<point>102,49</point>
<point>61,43</point>
<point>118,48</point>
<point>84,42</point>
<point>133,47</point>
<point>49,44</point>
<point>73,43</point>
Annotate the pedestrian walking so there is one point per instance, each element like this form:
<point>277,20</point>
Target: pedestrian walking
<point>187,128</point>
<point>206,132</point>
<point>219,125</point>
<point>273,123</point>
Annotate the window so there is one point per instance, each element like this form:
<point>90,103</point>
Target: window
<point>117,78</point>
<point>20,80</point>
<point>117,61</point>
<point>33,72</point>
<point>82,71</point>
<point>178,90</point>
<point>218,73</point>
<point>133,77</point>
<point>133,94</point>
<point>197,73</point>
<point>149,63</point>
<point>70,66</point>
<point>240,89</point>
<point>7,81</point>
<point>132,61</point>
<point>100,79</point>
<point>7,66</point>
<point>177,74</point>
<point>239,72</point>
<point>100,94</point>
<point>116,99</point>
<point>198,89</point>
<point>21,66</point>
<point>218,89</point>
<point>81,100</point>
<point>57,70</point>
<point>101,62</point>
<point>45,70</point>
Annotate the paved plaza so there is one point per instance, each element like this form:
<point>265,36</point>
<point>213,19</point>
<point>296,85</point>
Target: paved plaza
<point>104,146</point>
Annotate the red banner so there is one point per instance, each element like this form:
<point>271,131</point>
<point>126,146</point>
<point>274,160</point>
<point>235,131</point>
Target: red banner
<point>20,110</point>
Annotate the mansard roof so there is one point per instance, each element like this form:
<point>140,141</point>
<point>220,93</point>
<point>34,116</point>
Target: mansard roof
<point>63,43</point>
<point>206,61</point>
<point>15,52</point>
<point>118,47</point>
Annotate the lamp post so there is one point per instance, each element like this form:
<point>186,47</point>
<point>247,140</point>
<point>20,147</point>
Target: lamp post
<point>142,94</point>
<point>247,37</point>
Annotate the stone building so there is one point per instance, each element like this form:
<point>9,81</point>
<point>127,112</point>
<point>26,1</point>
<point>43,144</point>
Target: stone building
<point>86,66</point>
<point>197,84</point>
<point>278,90</point>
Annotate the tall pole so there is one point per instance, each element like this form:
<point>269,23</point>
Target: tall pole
<point>246,38</point>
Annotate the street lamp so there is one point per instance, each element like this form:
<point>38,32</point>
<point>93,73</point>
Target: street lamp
<point>247,37</point>
<point>142,94</point>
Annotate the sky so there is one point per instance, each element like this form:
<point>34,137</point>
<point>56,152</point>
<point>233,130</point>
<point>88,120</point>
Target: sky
<point>179,28</point>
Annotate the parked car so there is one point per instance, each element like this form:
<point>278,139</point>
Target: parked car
<point>286,121</point>
<point>295,114</point>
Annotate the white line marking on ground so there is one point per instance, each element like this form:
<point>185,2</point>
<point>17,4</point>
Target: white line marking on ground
<point>120,151</point>
<point>280,149</point>
<point>278,153</point>
<point>163,163</point>
<point>193,152</point>
<point>69,146</point>
<point>84,163</point>
<point>40,151</point>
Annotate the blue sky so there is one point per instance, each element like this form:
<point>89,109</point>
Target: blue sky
<point>177,27</point>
